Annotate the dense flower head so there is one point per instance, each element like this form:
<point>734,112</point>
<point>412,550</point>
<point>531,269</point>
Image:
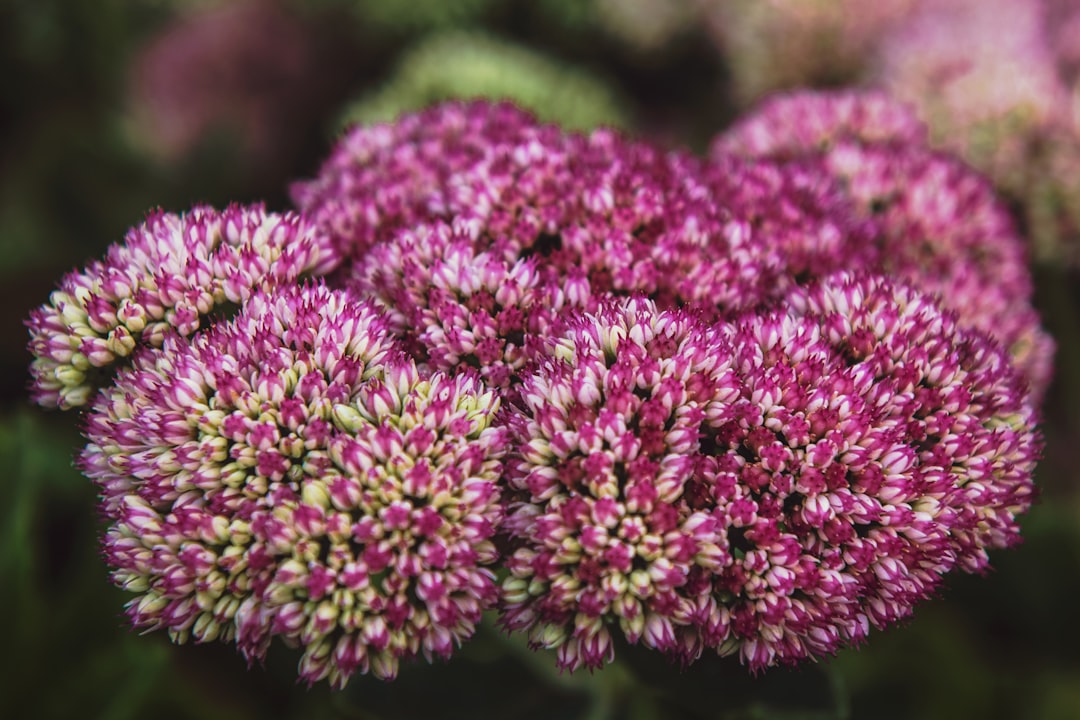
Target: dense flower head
<point>771,487</point>
<point>936,222</point>
<point>595,203</point>
<point>943,229</point>
<point>459,306</point>
<point>786,223</point>
<point>291,473</point>
<point>391,175</point>
<point>631,218</point>
<point>605,440</point>
<point>808,121</point>
<point>169,273</point>
<point>958,401</point>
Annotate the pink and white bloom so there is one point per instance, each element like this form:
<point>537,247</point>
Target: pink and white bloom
<point>936,222</point>
<point>168,274</point>
<point>290,473</point>
<point>771,487</point>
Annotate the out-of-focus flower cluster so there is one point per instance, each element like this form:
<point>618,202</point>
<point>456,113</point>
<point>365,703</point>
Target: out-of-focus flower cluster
<point>242,68</point>
<point>996,81</point>
<point>752,403</point>
<point>938,224</point>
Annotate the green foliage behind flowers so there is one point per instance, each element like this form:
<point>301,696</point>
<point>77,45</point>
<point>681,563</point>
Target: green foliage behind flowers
<point>474,64</point>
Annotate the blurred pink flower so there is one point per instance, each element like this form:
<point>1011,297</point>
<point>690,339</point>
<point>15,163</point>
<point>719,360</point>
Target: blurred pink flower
<point>244,67</point>
<point>983,74</point>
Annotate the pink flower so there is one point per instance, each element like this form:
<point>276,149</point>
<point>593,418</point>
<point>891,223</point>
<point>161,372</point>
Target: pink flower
<point>771,487</point>
<point>460,306</point>
<point>938,224</point>
<point>802,122</point>
<point>618,215</point>
<point>248,67</point>
<point>968,63</point>
<point>943,229</point>
<point>290,474</point>
<point>605,441</point>
<point>775,225</point>
<point>170,273</point>
<point>391,175</point>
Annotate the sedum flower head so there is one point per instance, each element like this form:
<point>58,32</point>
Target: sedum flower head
<point>391,175</point>
<point>595,203</point>
<point>771,487</point>
<point>964,409</point>
<point>290,474</point>
<point>781,224</point>
<point>167,275</point>
<point>460,306</point>
<point>627,217</point>
<point>802,122</point>
<point>936,223</point>
<point>942,228</point>
<point>605,440</point>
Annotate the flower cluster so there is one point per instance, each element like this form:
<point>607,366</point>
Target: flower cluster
<point>637,382</point>
<point>388,176</point>
<point>771,487</point>
<point>242,67</point>
<point>291,474</point>
<point>604,443</point>
<point>169,273</point>
<point>807,121</point>
<point>996,82</point>
<point>630,218</point>
<point>458,306</point>
<point>938,224</point>
<point>982,73</point>
<point>798,226</point>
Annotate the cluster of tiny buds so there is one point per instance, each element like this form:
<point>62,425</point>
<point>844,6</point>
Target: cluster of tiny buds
<point>169,273</point>
<point>936,222</point>
<point>632,381</point>
<point>771,487</point>
<point>292,474</point>
<point>460,306</point>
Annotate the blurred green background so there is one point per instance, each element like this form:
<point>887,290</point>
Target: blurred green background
<point>111,107</point>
